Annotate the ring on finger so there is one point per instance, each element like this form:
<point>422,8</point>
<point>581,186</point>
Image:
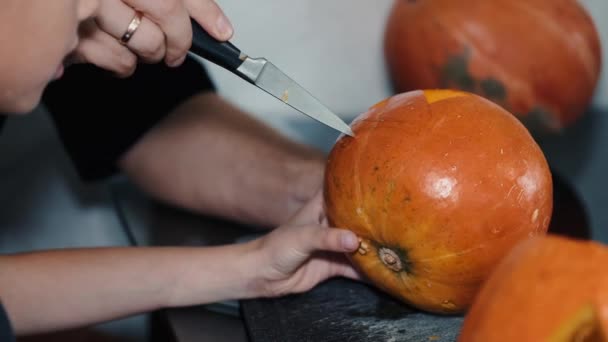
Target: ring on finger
<point>132,28</point>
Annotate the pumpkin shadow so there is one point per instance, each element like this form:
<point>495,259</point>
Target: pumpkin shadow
<point>570,217</point>
<point>571,148</point>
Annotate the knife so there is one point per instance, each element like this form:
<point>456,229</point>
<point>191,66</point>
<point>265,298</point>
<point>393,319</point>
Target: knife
<point>265,75</point>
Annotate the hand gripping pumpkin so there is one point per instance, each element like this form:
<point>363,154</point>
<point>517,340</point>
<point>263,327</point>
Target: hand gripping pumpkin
<point>539,59</point>
<point>438,185</point>
<point>547,289</point>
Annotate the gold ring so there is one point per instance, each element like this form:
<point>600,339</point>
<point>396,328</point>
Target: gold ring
<point>133,25</point>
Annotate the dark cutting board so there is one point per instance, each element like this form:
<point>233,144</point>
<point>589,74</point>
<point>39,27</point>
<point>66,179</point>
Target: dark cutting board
<point>344,310</point>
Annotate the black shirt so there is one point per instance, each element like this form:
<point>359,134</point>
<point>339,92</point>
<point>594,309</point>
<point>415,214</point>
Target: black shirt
<point>6,333</point>
<point>99,116</point>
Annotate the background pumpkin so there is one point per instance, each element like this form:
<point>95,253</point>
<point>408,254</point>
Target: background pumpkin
<point>439,185</point>
<point>539,59</point>
<point>540,292</point>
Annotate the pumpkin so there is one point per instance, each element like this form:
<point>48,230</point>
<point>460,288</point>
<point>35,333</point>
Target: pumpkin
<point>539,59</point>
<point>586,325</point>
<point>438,184</point>
<point>546,289</point>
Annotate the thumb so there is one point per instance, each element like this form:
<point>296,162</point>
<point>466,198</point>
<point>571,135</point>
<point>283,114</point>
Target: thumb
<point>211,17</point>
<point>329,239</point>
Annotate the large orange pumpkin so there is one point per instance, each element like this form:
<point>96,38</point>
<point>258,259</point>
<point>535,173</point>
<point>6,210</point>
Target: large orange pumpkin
<point>438,185</point>
<point>539,59</point>
<point>547,289</point>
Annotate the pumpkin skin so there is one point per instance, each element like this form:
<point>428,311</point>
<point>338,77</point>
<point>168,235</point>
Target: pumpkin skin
<point>586,325</point>
<point>539,59</point>
<point>539,292</point>
<point>438,185</point>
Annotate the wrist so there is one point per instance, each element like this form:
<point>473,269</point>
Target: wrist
<point>305,178</point>
<point>214,274</point>
<point>252,270</point>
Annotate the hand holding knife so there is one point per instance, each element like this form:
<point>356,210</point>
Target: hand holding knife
<point>265,75</point>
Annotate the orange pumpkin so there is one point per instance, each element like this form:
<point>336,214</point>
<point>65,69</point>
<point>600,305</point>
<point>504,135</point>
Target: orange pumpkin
<point>539,59</point>
<point>547,289</point>
<point>586,325</point>
<point>439,185</point>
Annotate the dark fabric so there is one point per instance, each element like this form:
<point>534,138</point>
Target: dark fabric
<point>99,116</point>
<point>6,332</point>
<point>2,118</point>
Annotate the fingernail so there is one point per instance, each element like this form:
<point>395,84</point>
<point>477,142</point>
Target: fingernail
<point>224,28</point>
<point>349,241</point>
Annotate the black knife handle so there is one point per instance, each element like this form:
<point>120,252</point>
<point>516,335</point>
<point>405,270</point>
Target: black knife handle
<point>223,54</point>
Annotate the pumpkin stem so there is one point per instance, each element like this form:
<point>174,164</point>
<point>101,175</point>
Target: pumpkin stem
<point>390,258</point>
<point>363,247</point>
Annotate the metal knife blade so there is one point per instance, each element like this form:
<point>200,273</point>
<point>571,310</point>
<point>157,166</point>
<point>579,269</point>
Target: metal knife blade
<point>265,75</point>
<point>272,80</point>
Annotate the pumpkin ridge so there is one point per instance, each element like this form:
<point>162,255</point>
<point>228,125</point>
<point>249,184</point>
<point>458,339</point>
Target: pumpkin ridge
<point>390,189</point>
<point>471,249</point>
<point>383,225</point>
<point>586,59</point>
<point>454,254</point>
<point>357,180</point>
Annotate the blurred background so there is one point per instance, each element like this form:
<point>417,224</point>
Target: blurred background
<point>334,49</point>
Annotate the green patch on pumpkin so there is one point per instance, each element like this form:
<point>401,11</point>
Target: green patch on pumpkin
<point>493,89</point>
<point>455,73</point>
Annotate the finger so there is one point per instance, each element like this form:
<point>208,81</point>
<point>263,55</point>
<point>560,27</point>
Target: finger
<point>99,48</point>
<point>349,272</point>
<point>328,239</point>
<point>148,41</point>
<point>173,19</point>
<point>87,9</point>
<point>211,17</point>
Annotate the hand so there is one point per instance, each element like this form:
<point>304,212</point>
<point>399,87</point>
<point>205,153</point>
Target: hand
<point>304,176</point>
<point>164,32</point>
<point>304,252</point>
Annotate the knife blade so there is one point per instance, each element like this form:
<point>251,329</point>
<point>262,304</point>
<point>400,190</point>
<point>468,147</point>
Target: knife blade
<point>264,75</point>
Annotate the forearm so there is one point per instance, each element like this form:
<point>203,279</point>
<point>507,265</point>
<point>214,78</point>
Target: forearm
<point>211,157</point>
<point>48,291</point>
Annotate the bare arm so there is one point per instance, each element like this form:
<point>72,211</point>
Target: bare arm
<point>48,291</point>
<point>211,157</point>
